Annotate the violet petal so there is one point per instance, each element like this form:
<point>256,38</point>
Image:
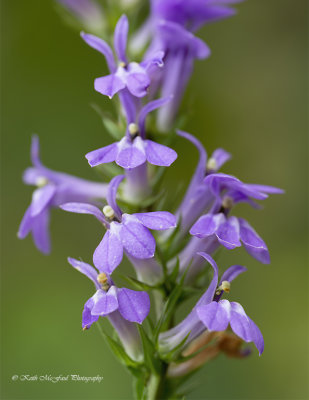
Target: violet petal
<point>133,306</point>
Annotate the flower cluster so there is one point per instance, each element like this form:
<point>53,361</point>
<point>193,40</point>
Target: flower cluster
<point>168,265</point>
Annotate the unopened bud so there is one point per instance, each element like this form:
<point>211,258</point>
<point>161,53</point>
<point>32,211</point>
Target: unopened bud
<point>212,164</point>
<point>227,202</point>
<point>108,212</point>
<point>133,129</point>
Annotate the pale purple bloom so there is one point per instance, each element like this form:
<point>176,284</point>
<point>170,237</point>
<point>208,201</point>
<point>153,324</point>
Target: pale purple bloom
<point>194,13</point>
<point>126,75</point>
<point>230,232</point>
<point>54,188</point>
<point>121,306</point>
<point>88,12</point>
<point>134,149</point>
<point>125,232</point>
<point>214,314</point>
<point>209,189</point>
<point>132,305</point>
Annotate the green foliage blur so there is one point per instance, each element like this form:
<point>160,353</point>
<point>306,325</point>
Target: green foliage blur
<point>250,97</point>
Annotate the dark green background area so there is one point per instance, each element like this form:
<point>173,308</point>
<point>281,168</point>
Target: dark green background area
<point>250,98</point>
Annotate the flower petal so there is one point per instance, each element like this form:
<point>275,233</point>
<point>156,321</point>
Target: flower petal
<point>35,151</point>
<point>108,255</point>
<point>157,220</point>
<point>85,269</point>
<point>40,231</point>
<point>221,157</point>
<point>200,170</point>
<point>207,225</point>
<point>256,336</point>
<point>101,46</point>
<point>130,156</point>
<point>109,85</point>
<point>26,224</point>
<point>103,155</point>
<point>88,319</point>
<point>136,239</point>
<point>151,106</point>
<point>253,243</point>
<point>210,292</point>
<point>112,194</point>
<point>265,189</point>
<point>41,197</point>
<point>231,273</point>
<point>157,154</point>
<point>133,306</point>
<point>228,233</point>
<point>215,316</point>
<point>104,303</point>
<point>240,323</point>
<point>137,80</point>
<point>85,208</point>
<point>120,38</point>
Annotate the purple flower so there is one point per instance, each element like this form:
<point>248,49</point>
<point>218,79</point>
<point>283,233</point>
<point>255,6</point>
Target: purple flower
<point>209,190</point>
<point>121,306</point>
<point>230,232</point>
<point>53,188</point>
<point>214,314</point>
<point>192,14</point>
<point>124,231</point>
<point>133,306</point>
<point>134,149</point>
<point>132,76</point>
<point>89,12</point>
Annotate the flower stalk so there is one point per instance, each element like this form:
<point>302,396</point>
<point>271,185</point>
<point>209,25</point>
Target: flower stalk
<point>169,242</point>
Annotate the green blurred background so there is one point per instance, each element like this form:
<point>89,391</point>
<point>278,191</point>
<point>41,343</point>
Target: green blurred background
<point>250,98</point>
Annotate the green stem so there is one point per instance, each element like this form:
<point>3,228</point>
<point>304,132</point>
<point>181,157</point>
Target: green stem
<point>153,387</point>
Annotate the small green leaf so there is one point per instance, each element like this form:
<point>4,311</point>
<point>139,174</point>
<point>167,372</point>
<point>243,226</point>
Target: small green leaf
<point>114,129</point>
<point>174,274</point>
<point>174,354</point>
<point>151,362</point>
<point>136,283</point>
<point>118,350</point>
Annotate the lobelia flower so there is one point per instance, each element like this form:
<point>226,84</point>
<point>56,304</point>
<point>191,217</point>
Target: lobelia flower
<point>124,231</point>
<point>134,149</point>
<point>88,12</point>
<point>208,189</point>
<point>214,314</point>
<point>122,306</point>
<point>53,188</point>
<point>192,14</point>
<point>230,232</point>
<point>127,75</point>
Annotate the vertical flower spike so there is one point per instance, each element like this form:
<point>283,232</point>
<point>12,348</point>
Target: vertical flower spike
<point>124,231</point>
<point>53,189</point>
